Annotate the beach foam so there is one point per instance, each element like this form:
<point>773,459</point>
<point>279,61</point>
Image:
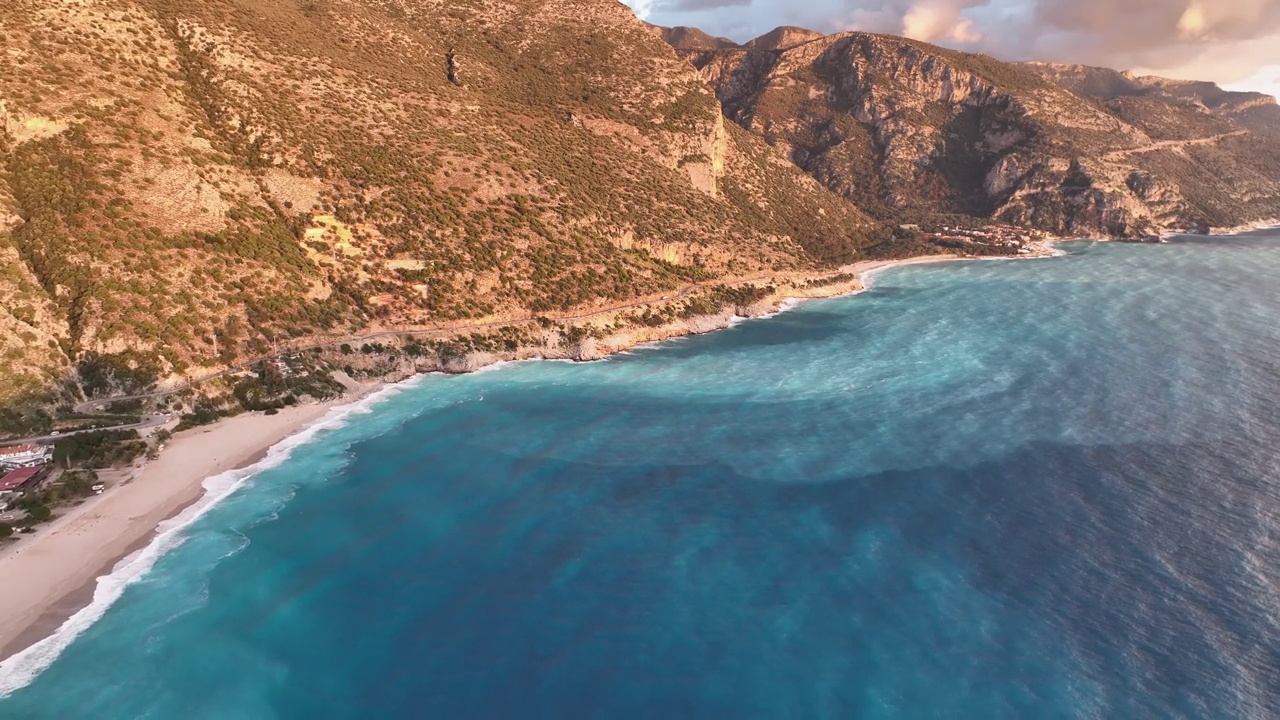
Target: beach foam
<point>787,305</point>
<point>21,669</point>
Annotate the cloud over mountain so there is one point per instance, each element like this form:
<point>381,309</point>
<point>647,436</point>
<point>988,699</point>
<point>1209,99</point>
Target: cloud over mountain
<point>1226,41</point>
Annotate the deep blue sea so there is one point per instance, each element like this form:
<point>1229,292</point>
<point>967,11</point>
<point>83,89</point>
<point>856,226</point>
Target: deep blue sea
<point>1042,489</point>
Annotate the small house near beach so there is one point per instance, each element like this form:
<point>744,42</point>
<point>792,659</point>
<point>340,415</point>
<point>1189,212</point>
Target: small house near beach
<point>20,479</point>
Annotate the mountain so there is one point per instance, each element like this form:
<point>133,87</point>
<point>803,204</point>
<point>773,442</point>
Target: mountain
<point>190,183</point>
<point>1252,110</point>
<point>186,185</point>
<point>686,39</point>
<point>783,38</point>
<point>691,40</point>
<point>909,130</point>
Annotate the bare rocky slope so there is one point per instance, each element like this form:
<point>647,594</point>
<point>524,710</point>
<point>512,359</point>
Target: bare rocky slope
<point>909,131</point>
<point>185,184</point>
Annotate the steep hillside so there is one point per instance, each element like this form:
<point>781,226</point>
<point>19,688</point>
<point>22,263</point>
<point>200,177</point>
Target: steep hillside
<point>189,183</point>
<point>910,130</point>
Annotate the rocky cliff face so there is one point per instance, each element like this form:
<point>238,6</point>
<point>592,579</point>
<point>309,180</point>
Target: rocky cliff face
<point>909,130</point>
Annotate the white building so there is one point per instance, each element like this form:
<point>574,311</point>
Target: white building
<point>25,455</point>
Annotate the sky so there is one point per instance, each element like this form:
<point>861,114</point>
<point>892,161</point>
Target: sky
<point>1233,42</point>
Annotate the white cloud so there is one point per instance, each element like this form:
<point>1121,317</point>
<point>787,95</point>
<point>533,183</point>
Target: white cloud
<point>940,21</point>
<point>1265,80</point>
<point>1229,62</point>
<point>1192,23</point>
<point>643,8</point>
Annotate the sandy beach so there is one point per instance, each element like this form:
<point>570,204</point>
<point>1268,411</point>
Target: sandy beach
<point>868,267</point>
<point>47,577</point>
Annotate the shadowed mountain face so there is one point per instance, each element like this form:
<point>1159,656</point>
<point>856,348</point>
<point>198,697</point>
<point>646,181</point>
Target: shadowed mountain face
<point>907,130</point>
<point>196,180</point>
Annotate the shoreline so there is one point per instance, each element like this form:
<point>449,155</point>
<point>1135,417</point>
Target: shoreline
<point>1268,224</point>
<point>52,575</point>
<point>1246,228</point>
<point>56,574</point>
<point>848,280</point>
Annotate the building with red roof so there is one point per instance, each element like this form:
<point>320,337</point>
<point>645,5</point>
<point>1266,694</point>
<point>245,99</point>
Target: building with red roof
<point>19,478</point>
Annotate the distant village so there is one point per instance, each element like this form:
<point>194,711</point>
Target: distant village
<point>1009,237</point>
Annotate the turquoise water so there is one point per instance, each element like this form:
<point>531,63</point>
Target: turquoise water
<point>989,489</point>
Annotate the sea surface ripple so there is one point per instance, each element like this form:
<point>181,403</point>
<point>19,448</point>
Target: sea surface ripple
<point>1042,489</point>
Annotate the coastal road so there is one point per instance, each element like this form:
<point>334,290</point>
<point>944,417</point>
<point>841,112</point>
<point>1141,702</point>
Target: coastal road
<point>148,422</point>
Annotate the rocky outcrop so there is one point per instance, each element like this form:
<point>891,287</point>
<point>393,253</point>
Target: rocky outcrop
<point>691,39</point>
<point>704,161</point>
<point>783,38</point>
<point>452,73</point>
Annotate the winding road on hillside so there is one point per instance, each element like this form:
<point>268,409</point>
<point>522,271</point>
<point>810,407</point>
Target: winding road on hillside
<point>1167,144</point>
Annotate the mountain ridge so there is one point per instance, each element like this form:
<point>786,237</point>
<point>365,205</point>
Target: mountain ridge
<point>908,130</point>
<point>1255,110</point>
<point>188,184</point>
